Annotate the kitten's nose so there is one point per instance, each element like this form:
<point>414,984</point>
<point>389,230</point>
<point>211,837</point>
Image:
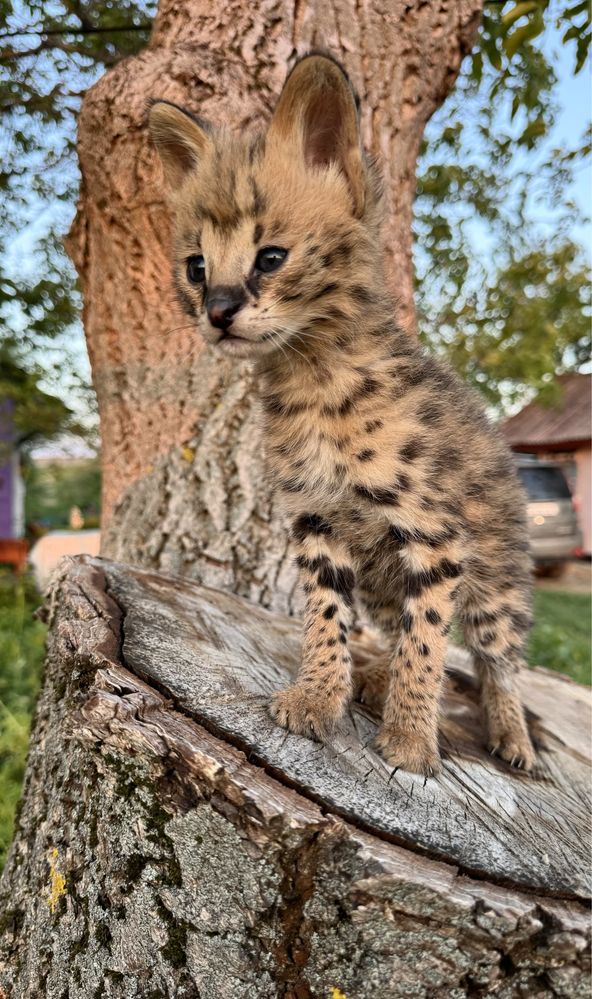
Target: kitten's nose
<point>222,304</point>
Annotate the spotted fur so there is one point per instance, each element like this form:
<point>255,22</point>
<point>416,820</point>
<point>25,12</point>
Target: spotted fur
<point>399,491</point>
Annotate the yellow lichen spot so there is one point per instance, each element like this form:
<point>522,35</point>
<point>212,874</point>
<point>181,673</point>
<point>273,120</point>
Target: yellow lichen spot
<point>187,453</point>
<point>57,882</point>
<point>337,993</point>
<point>149,469</point>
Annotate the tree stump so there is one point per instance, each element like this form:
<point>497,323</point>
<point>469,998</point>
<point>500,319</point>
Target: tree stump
<point>174,842</point>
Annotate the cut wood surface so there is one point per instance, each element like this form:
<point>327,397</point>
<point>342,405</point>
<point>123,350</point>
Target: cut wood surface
<point>220,658</point>
<point>172,841</point>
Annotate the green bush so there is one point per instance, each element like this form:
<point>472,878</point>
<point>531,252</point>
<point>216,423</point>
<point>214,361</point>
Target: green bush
<point>53,489</point>
<point>22,641</point>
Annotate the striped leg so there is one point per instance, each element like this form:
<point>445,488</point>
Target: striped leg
<point>408,737</point>
<point>323,687</point>
<point>496,632</point>
<point>371,678</point>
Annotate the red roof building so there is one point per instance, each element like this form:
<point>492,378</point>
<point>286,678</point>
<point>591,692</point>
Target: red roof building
<point>563,433</point>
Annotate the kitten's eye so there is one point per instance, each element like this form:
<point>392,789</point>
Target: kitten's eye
<point>196,270</point>
<point>270,258</point>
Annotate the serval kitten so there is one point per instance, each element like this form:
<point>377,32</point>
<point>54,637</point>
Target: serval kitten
<point>398,488</point>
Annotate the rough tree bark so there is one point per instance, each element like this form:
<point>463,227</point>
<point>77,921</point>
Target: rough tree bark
<point>175,843</point>
<point>182,469</point>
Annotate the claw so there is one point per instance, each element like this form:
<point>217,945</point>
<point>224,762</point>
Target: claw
<point>516,760</point>
<point>299,713</point>
<point>410,753</point>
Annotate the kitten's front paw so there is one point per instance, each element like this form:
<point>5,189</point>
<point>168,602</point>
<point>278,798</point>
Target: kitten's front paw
<point>305,713</point>
<point>408,751</point>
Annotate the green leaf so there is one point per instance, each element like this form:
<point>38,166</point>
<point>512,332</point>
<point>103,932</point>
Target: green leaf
<point>477,65</point>
<point>526,33</point>
<point>520,10</point>
<point>492,52</point>
<point>582,49</point>
<point>576,10</point>
<point>515,105</point>
<point>572,32</point>
<point>534,130</point>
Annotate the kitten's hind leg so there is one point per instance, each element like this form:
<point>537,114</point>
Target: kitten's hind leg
<point>371,682</point>
<point>496,638</point>
<point>506,726</point>
<point>371,676</point>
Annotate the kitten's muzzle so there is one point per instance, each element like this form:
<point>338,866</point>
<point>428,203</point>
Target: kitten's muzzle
<point>222,304</point>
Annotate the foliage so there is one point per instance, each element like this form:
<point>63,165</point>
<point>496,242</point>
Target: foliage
<point>21,654</point>
<point>53,489</point>
<point>35,413</point>
<point>525,323</point>
<point>503,294</point>
<point>49,55</point>
<point>507,30</point>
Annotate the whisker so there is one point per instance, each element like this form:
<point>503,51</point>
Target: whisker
<point>283,342</point>
<point>176,329</point>
<point>290,345</point>
<point>305,334</point>
<point>276,339</point>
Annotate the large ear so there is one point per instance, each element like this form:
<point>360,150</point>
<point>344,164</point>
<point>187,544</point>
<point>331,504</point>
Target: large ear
<point>181,140</point>
<point>317,113</point>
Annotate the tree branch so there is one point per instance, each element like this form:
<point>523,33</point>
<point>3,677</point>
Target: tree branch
<point>50,40</point>
<point>84,30</point>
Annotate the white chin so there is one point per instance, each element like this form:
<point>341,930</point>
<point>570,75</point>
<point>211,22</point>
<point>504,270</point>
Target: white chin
<point>239,347</point>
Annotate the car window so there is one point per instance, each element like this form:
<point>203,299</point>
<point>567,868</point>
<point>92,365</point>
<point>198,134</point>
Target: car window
<point>544,483</point>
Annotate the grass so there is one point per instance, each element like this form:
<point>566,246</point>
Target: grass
<point>561,636</point>
<point>560,641</point>
<point>22,642</point>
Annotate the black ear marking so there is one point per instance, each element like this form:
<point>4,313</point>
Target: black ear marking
<point>180,137</point>
<point>324,54</point>
<point>202,122</point>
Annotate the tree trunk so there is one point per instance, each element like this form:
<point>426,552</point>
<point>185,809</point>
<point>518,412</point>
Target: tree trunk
<point>184,488</point>
<point>174,842</point>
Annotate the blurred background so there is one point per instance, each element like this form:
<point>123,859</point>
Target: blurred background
<point>502,259</point>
